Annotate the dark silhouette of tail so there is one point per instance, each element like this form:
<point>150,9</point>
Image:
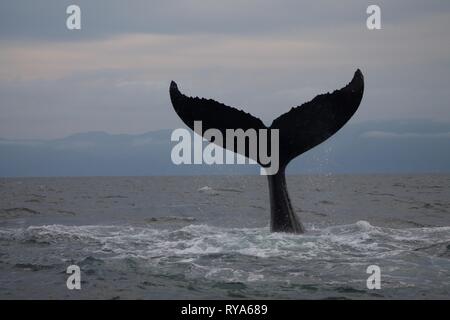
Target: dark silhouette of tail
<point>300,129</point>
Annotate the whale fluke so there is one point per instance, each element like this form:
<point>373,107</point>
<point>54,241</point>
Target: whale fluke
<point>310,124</point>
<point>300,129</point>
<point>213,114</point>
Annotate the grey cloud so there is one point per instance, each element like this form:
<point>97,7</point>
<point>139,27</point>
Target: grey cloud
<point>406,135</point>
<point>262,56</point>
<point>45,19</point>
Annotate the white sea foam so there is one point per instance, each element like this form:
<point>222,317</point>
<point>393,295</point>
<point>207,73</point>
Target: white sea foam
<point>333,256</point>
<point>358,239</point>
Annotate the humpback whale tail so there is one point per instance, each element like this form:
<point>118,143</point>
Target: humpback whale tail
<point>300,129</point>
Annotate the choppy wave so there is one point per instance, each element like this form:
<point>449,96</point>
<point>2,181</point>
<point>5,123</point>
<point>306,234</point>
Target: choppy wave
<point>345,240</point>
<point>322,259</point>
<point>216,191</point>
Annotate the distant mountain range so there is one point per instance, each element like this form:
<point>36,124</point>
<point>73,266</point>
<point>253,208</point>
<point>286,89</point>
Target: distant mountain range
<point>371,147</point>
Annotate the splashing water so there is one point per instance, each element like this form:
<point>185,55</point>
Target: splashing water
<point>201,261</point>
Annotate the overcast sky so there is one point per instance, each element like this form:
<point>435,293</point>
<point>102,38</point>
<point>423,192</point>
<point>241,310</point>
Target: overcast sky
<point>264,56</point>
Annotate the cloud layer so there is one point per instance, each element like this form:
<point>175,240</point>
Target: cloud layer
<point>263,56</point>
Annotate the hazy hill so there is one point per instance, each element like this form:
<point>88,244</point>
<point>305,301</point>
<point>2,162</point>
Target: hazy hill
<point>371,147</point>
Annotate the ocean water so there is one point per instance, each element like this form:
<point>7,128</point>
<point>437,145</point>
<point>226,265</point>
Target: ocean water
<point>208,238</point>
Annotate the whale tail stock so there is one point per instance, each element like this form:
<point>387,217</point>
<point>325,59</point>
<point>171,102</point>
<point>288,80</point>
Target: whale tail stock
<point>300,129</point>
